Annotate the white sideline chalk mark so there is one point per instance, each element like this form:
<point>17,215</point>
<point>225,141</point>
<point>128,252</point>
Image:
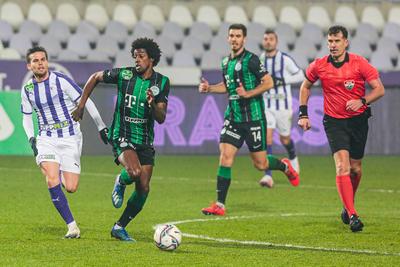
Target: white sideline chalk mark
<point>307,186</point>
<point>269,244</point>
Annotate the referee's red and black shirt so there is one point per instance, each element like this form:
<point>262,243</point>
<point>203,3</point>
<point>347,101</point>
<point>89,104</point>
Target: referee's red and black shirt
<point>341,82</point>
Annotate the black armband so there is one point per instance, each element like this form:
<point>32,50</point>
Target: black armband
<point>303,113</point>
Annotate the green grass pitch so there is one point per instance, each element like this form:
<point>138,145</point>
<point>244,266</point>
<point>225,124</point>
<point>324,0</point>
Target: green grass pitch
<point>283,226</point>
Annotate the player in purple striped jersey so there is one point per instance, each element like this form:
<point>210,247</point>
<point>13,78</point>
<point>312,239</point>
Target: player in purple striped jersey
<point>57,148</point>
<point>278,100</point>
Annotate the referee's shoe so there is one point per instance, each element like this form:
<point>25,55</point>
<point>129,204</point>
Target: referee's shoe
<point>356,224</point>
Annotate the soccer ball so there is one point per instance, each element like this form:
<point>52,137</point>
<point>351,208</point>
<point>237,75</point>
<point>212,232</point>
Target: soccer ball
<point>167,237</point>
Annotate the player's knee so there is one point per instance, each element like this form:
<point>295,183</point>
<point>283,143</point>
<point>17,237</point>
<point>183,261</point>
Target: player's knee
<point>260,165</point>
<point>134,172</point>
<point>71,188</point>
<point>52,181</point>
<point>226,160</point>
<point>145,189</point>
<point>342,168</point>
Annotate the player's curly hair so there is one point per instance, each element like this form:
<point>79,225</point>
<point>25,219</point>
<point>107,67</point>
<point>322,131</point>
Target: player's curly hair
<point>151,47</point>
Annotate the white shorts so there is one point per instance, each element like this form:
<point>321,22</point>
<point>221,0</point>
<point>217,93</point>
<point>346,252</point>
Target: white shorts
<point>66,151</point>
<point>279,119</point>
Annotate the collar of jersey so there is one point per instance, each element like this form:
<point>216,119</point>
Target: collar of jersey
<point>152,77</point>
<point>238,56</point>
<point>339,64</point>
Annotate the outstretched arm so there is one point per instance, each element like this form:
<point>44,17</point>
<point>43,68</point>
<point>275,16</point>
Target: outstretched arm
<point>94,79</point>
<point>205,87</point>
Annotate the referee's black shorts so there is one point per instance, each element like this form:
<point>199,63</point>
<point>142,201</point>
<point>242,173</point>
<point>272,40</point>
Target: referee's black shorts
<point>347,134</point>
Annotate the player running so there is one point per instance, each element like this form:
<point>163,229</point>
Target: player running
<point>278,101</point>
<point>245,80</point>
<point>142,98</point>
<point>53,96</point>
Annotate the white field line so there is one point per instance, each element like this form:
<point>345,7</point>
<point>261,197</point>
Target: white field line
<point>308,186</point>
<point>269,244</point>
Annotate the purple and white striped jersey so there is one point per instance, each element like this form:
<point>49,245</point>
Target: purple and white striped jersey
<point>284,67</point>
<point>53,101</point>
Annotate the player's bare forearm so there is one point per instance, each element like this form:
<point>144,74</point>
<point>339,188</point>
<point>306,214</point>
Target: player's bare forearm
<point>91,83</point>
<point>95,78</point>
<point>266,84</point>
<point>218,88</point>
<point>305,91</point>
<point>378,90</point>
<point>159,111</point>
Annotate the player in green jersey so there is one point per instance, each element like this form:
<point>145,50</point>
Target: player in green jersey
<point>142,97</point>
<point>245,80</point>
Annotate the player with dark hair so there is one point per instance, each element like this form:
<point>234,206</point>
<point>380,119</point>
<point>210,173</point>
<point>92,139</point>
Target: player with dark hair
<point>278,101</point>
<point>245,80</point>
<point>142,98</point>
<point>346,112</point>
<point>53,96</point>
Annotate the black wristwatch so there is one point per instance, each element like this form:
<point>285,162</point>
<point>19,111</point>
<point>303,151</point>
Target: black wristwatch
<point>363,101</point>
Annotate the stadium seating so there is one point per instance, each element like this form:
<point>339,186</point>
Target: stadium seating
<point>6,31</point>
<point>68,13</point>
<point>197,30</point>
<point>209,15</point>
<point>181,15</point>
<point>30,29</point>
<point>394,15</point>
<point>183,59</point>
<point>45,17</point>
<point>9,53</point>
<point>96,14</point>
<point>235,14</point>
<point>124,13</point>
<point>368,32</point>
<point>59,30</point>
<point>346,16</point>
<point>12,13</point>
<point>265,16</point>
<point>173,31</point>
<point>21,43</point>
<point>116,30</point>
<point>291,16</point>
<point>53,45</point>
<point>373,16</point>
<point>319,16</point>
<point>201,31</point>
<point>153,15</point>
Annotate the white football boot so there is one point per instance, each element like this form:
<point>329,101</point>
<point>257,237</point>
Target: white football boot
<point>73,231</point>
<point>266,181</point>
<point>295,164</point>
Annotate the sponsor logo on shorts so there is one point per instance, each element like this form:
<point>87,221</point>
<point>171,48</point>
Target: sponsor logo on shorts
<point>47,156</point>
<point>234,97</point>
<point>257,146</point>
<point>234,135</point>
<point>255,128</point>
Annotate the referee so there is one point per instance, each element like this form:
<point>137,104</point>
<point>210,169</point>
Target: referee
<point>346,112</point>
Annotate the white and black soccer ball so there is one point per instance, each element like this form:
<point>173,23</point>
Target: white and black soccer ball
<point>167,237</point>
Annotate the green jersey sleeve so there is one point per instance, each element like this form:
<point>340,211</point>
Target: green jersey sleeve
<point>163,95</point>
<point>256,67</point>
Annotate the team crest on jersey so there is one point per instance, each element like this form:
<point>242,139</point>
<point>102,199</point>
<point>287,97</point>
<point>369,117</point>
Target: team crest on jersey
<point>349,84</point>
<point>29,87</point>
<point>126,74</point>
